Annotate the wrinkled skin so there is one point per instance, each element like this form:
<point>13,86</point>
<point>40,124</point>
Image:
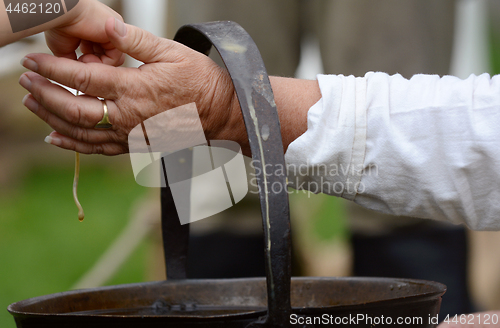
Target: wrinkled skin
<point>173,75</point>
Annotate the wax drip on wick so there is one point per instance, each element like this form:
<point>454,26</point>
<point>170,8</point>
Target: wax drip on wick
<point>81,214</point>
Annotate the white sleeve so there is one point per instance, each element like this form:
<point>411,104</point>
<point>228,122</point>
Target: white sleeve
<point>427,147</point>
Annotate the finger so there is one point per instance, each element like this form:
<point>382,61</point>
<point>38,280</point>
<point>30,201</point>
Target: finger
<point>113,57</point>
<point>65,142</point>
<point>83,111</point>
<point>93,79</point>
<point>141,44</point>
<point>65,128</point>
<point>61,45</point>
<point>108,54</point>
<point>89,58</point>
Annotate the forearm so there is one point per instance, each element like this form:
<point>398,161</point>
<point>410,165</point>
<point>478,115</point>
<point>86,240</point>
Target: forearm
<point>6,32</point>
<point>293,98</point>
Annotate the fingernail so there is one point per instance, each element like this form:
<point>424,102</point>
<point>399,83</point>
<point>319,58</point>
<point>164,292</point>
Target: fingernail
<point>30,103</point>
<point>120,27</point>
<point>29,64</point>
<point>25,82</point>
<point>53,141</point>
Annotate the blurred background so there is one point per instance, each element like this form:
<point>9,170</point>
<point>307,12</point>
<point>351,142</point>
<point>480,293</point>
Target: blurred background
<point>44,249</point>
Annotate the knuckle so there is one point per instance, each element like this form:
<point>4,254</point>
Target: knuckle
<point>98,149</point>
<point>114,136</point>
<point>118,88</point>
<point>146,44</point>
<point>78,133</point>
<point>45,116</point>
<point>137,41</point>
<point>74,116</point>
<point>82,80</point>
<point>41,95</point>
<point>156,44</point>
<point>49,71</point>
<point>82,134</point>
<point>74,132</point>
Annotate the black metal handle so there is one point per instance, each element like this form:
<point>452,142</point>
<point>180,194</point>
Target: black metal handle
<point>175,236</point>
<point>244,63</point>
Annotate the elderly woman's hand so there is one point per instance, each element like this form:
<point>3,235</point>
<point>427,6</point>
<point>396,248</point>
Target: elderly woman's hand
<point>173,75</point>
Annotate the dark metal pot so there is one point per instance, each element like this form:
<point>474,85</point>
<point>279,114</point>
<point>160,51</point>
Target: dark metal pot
<point>274,301</point>
<point>233,303</point>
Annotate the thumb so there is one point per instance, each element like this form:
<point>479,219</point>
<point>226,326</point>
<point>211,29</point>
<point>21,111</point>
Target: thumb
<point>137,43</point>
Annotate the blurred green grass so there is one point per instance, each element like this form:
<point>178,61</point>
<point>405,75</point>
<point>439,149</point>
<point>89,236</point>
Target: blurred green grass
<point>44,248</point>
<point>494,47</point>
<point>330,219</point>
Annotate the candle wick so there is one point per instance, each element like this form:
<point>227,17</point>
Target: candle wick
<point>81,215</point>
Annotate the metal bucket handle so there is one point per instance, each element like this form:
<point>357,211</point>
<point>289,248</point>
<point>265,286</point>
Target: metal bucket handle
<point>253,89</point>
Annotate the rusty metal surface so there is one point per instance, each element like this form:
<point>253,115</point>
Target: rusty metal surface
<point>180,302</point>
<point>158,304</point>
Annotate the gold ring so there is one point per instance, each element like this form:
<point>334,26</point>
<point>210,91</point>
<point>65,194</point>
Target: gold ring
<point>104,123</point>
